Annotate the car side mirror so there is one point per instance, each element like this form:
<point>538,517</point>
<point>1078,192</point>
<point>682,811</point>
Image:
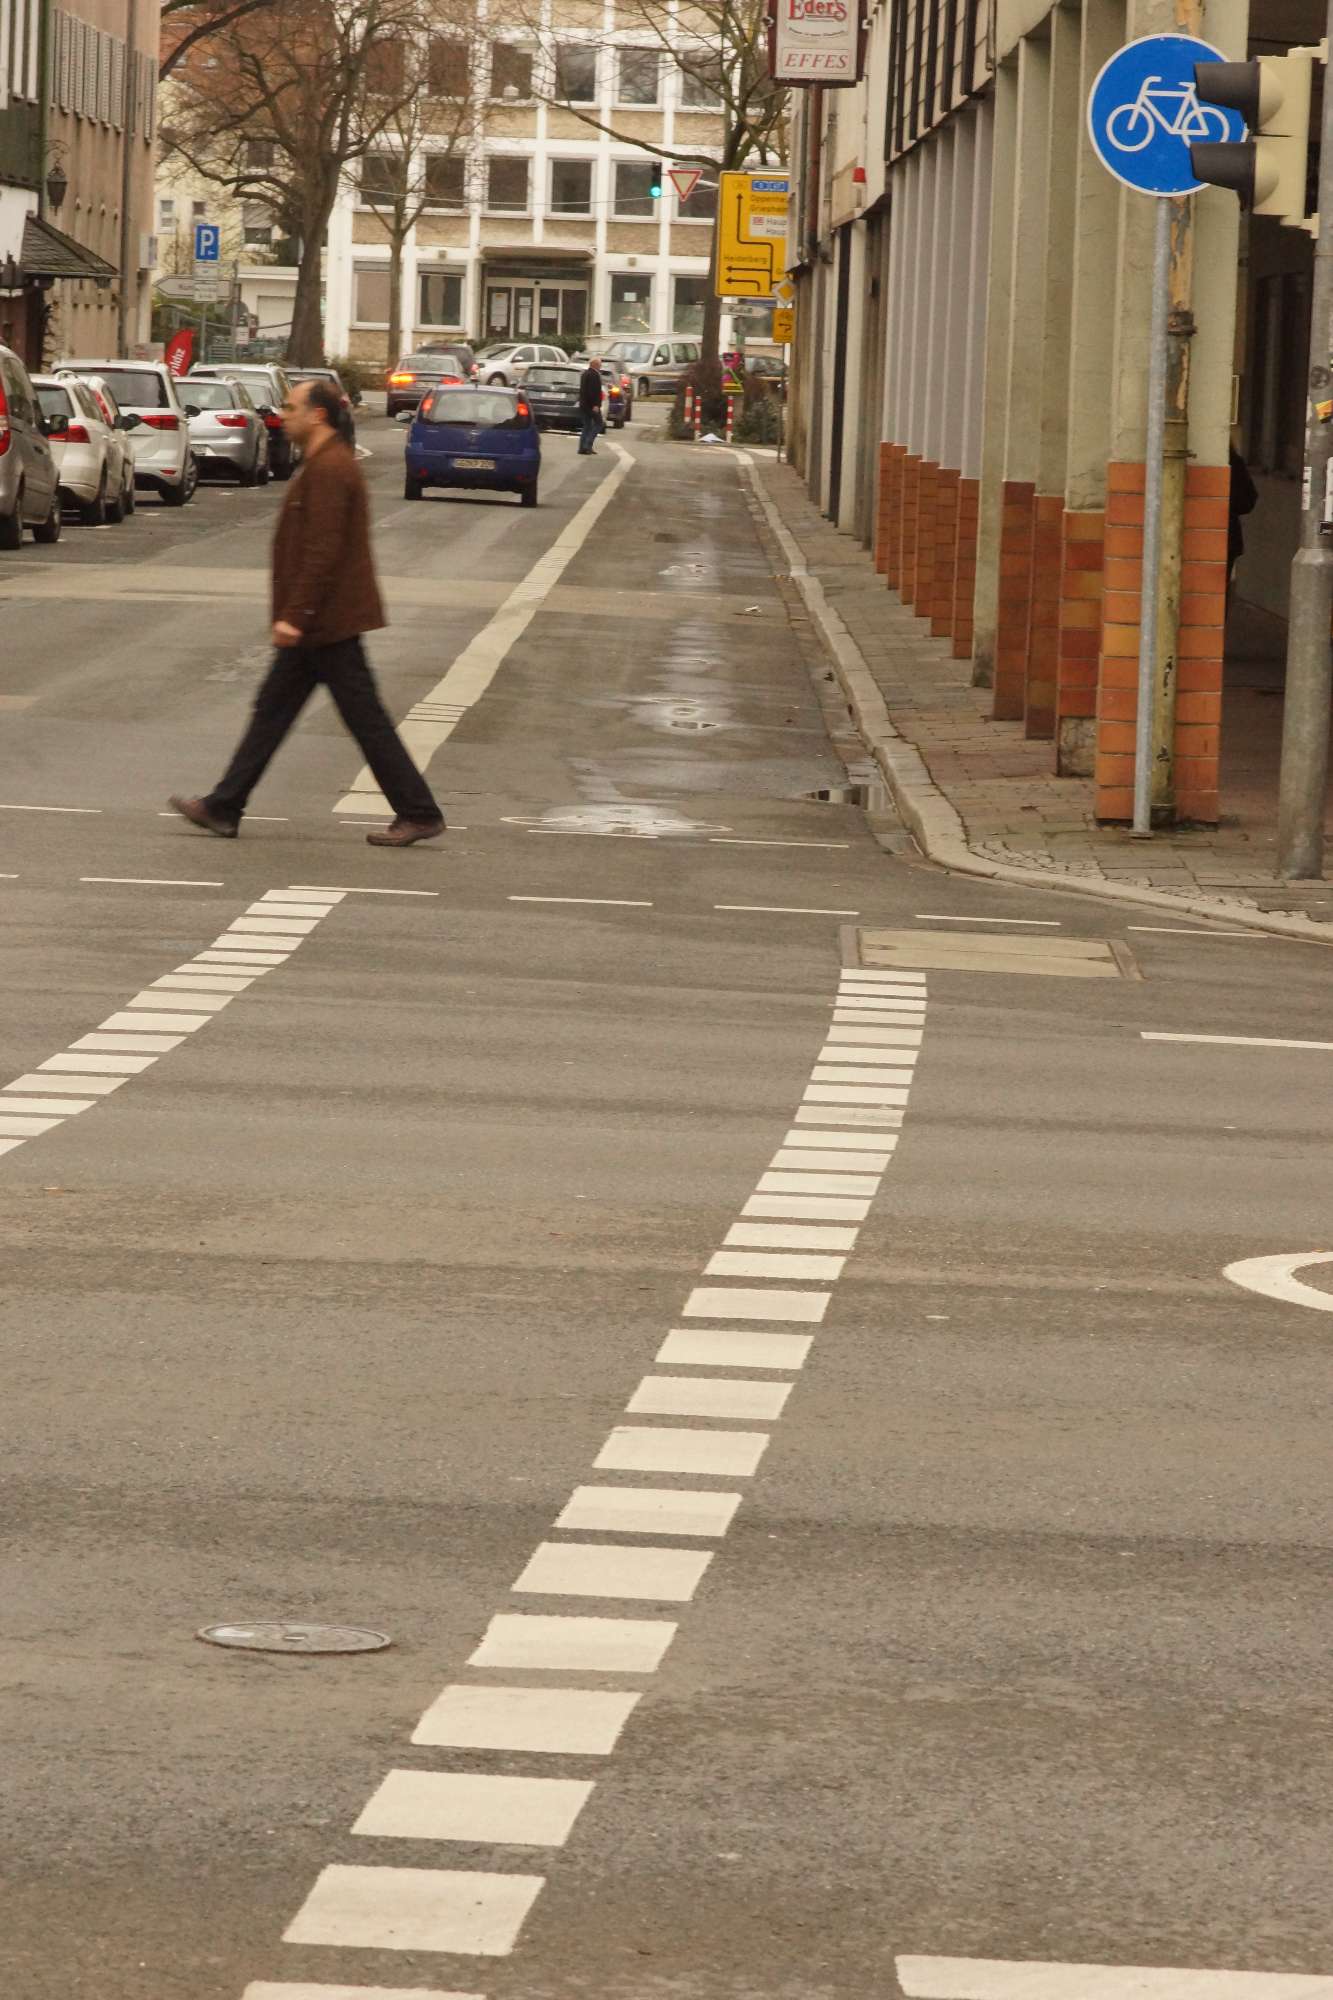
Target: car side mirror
<point>193,410</point>
<point>54,427</point>
<point>129,422</point>
<point>264,410</point>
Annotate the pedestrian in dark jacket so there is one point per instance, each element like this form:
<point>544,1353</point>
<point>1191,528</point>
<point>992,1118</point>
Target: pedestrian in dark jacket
<point>1243,498</point>
<point>590,406</point>
<point>324,598</point>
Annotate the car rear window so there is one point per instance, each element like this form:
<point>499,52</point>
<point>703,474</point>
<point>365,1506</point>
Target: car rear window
<point>54,402</point>
<point>553,378</point>
<point>209,395</point>
<point>492,410</point>
<point>133,388</point>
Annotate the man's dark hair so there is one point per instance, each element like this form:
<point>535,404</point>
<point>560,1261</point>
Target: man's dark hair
<point>321,395</point>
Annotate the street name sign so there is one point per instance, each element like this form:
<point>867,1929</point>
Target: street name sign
<point>1144,114</point>
<point>751,233</point>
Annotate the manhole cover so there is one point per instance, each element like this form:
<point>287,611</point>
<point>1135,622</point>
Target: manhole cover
<point>291,1636</point>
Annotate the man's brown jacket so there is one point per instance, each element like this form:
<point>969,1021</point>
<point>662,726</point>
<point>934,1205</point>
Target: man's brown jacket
<point>323,572</point>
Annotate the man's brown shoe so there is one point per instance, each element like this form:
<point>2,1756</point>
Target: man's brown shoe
<point>198,814</point>
<point>404,832</point>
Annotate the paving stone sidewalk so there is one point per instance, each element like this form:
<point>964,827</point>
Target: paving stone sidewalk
<point>1015,810</point>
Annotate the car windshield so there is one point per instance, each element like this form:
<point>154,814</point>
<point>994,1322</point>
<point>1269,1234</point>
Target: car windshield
<point>489,408</point>
<point>211,395</point>
<point>431,364</point>
<point>133,388</point>
<point>553,378</point>
<point>53,402</point>
<point>630,350</point>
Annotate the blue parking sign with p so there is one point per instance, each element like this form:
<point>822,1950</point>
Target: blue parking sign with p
<point>207,242</point>
<point>1144,114</point>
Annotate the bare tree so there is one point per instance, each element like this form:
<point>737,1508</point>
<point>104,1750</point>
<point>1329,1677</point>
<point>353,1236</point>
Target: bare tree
<point>276,104</point>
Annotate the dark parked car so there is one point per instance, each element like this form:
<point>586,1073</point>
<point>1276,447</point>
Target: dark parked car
<point>479,438</point>
<point>346,422</point>
<point>417,374</point>
<point>554,396</point>
<point>29,495</point>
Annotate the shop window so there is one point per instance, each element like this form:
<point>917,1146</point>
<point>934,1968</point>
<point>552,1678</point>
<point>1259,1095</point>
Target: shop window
<point>631,302</point>
<point>370,294</point>
<point>439,298</point>
<point>687,305</point>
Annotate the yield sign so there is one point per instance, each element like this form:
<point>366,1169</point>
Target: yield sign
<point>684,180</point>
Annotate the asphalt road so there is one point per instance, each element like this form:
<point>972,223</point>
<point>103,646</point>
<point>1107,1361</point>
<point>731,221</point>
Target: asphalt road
<point>1017,1646</point>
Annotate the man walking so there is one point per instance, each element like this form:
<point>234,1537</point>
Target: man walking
<point>324,598</point>
<point>590,406</point>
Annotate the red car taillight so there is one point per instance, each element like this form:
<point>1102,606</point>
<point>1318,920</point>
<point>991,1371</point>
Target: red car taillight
<point>524,409</point>
<point>162,420</point>
<point>76,434</point>
<point>400,381</point>
<point>4,422</point>
<point>273,421</point>
<point>232,420</point>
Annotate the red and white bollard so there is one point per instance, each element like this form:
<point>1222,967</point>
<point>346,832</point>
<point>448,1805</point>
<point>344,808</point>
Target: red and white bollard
<point>689,410</point>
<point>731,418</point>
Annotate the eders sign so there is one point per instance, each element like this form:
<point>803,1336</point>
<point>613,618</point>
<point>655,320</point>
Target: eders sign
<point>816,41</point>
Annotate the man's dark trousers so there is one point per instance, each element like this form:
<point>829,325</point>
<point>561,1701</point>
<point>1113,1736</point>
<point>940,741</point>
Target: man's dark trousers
<point>592,430</point>
<point>295,674</point>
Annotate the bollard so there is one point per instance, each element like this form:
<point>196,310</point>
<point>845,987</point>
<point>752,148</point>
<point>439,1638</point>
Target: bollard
<point>731,417</point>
<point>689,410</point>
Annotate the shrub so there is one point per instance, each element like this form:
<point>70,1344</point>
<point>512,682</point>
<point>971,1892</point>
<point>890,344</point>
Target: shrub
<point>355,375</point>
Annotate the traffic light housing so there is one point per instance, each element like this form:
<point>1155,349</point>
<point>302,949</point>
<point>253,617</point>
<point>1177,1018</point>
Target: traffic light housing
<point>1268,169</point>
<point>659,176</point>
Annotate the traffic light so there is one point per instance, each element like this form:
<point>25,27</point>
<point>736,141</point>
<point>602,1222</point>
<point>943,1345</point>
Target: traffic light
<point>1267,169</point>
<point>655,184</point>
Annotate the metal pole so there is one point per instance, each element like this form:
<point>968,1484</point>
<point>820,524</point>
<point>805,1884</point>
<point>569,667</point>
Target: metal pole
<point>1152,518</point>
<point>1305,716</point>
<point>128,265</point>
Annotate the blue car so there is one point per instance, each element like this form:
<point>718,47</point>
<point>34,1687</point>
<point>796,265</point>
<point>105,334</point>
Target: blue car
<point>481,438</point>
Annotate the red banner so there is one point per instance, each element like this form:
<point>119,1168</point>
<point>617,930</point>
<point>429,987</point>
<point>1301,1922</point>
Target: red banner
<point>180,351</point>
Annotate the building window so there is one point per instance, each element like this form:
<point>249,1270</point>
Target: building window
<point>447,67</point>
<point>386,66</point>
<point>198,211</point>
<point>631,302</point>
<point>571,187</point>
<point>446,180</point>
<point>635,180</point>
<point>370,294</point>
<point>700,80</point>
<point>439,298</point>
<point>640,76</point>
<point>256,225</point>
<point>576,73</point>
<point>166,213</point>
<point>687,305</point>
<point>511,73</point>
<point>507,185</point>
<point>383,179</point>
<point>701,204</point>
<point>259,155</point>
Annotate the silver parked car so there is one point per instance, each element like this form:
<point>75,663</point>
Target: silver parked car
<point>29,495</point>
<point>227,433</point>
<point>269,389</point>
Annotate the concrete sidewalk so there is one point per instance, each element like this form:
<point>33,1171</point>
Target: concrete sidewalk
<point>980,795</point>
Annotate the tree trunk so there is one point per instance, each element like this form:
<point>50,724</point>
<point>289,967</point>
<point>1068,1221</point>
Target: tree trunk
<point>305,343</point>
<point>397,235</point>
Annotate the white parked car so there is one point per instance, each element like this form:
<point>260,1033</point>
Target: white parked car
<point>160,439</point>
<point>510,363</point>
<point>93,458</point>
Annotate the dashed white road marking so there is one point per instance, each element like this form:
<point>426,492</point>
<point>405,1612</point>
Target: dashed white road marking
<point>583,1722</point>
<point>734,1347</point>
<point>772,1264</point>
<point>732,1454</point>
<point>891,1116</point>
<point>154,881</point>
<point>415,1909</point>
<point>807,1206</point>
<point>708,1396</point>
<point>320,889</point>
<point>301,1989</point>
<point>785,910</point>
<point>528,1642</point>
<point>792,1235</point>
<point>898,1038</point>
<point>39,1107</point>
<point>799,1159</point>
<point>1032,923</point>
<point>708,1302</point>
<point>95,811</point>
<point>1006,1979</point>
<point>474,1805</point>
<point>648,1510</point>
<point>601,902</point>
<point>1275,1278</point>
<point>121,1066</point>
<point>870,1142</point>
<point>1171,930</point>
<point>76,1086</point>
<point>734,840</point>
<point>158,1045</point>
<point>607,1570</point>
<point>1235,1041</point>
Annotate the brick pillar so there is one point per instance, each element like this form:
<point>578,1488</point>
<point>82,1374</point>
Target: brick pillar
<point>907,539</point>
<point>946,554</point>
<point>920,587</point>
<point>965,567</point>
<point>1079,643</point>
<point>1015,601</point>
<point>1203,600</point>
<point>889,503</point>
<point>1043,616</point>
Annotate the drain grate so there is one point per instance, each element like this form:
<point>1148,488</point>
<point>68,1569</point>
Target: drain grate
<point>294,1636</point>
<point>1057,958</point>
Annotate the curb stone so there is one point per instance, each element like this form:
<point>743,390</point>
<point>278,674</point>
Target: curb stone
<point>928,812</point>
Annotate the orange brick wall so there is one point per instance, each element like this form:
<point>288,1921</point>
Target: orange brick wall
<point>1043,616</point>
<point>1011,625</point>
<point>965,567</point>
<point>922,581</point>
<point>1199,660</point>
<point>907,539</point>
<point>940,608</point>
<point>1079,642</point>
<point>888,503</point>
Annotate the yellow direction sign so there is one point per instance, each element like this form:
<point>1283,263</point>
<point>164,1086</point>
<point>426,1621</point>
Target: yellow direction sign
<point>751,233</point>
<point>784,325</point>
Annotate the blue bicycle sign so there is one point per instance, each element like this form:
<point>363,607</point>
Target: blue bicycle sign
<point>1143,114</point>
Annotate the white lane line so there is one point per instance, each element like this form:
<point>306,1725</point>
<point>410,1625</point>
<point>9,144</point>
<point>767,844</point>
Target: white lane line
<point>1275,1278</point>
<point>734,840</point>
<point>868,1142</point>
<point>802,1206</point>
<point>302,1989</point>
<point>319,889</point>
<point>790,1236</point>
<point>259,819</point>
<point>814,1114</point>
<point>580,1722</point>
<point>851,974</point>
<point>260,960</point>
<point>708,1396</point>
<point>851,1072</point>
<point>876,1017</point>
<point>27,1128</point>
<point>604,1569</point>
<point>802,1183</point>
<point>11,1145</point>
<point>1170,930</point>
<point>151,1023</point>
<point>282,914</point>
<point>481,659</point>
<point>476,1806</point>
<point>855,1052</point>
<point>120,1066</point>
<point>47,1107</point>
<point>785,910</point>
<point>880,1038</point>
<point>1235,1041</point>
<point>1031,923</point>
<point>648,1510</point>
<point>158,1045</point>
<point>154,881</point>
<point>1012,1979</point>
<point>890,994</point>
<point>772,1264</point>
<point>281,896</point>
<point>850,1093</point>
<point>94,810</point>
<point>528,1642</point>
<point>721,1302</point>
<point>719,1347</point>
<point>415,1909</point>
<point>733,1454</point>
<point>797,1159</point>
<point>190,997</point>
<point>602,902</point>
<point>76,1086</point>
<point>202,982</point>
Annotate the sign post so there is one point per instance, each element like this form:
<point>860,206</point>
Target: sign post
<point>1143,117</point>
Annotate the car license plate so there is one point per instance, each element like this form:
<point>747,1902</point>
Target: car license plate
<point>475,464</point>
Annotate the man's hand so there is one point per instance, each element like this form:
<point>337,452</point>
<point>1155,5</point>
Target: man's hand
<point>286,635</point>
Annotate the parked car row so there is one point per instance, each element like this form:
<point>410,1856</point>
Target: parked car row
<point>87,435</point>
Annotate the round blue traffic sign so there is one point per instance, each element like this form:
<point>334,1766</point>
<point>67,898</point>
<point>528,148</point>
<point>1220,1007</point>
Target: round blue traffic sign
<point>1144,115</point>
